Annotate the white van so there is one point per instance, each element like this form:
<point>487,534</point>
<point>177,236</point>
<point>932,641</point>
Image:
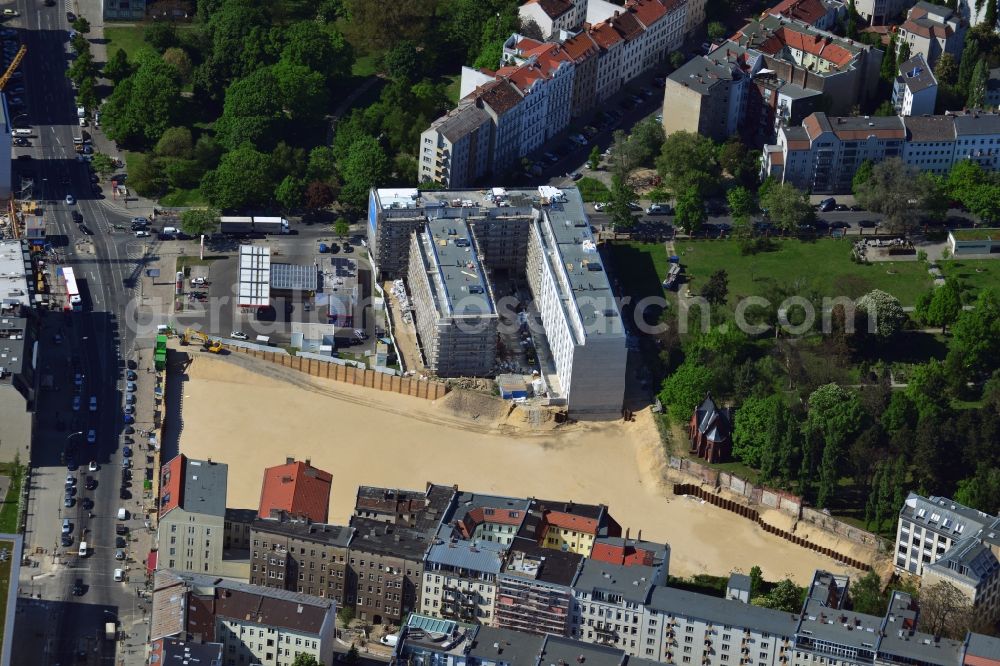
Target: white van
<point>170,231</point>
<point>263,340</point>
<point>21,131</point>
<point>119,575</point>
<point>122,514</point>
<point>83,549</point>
<point>390,640</point>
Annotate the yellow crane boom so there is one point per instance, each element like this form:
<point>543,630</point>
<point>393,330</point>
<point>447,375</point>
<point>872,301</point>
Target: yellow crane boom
<point>14,64</point>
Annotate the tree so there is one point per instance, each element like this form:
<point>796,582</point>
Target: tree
<point>341,227</point>
<point>977,86</point>
<point>103,165</point>
<point>885,316</point>
<point>834,415</point>
<point>594,159</point>
<point>199,221</point>
<point>867,595</point>
<point>944,611</point>
<point>752,428</point>
<point>242,179</point>
<point>690,212</point>
<point>741,204</point>
<point>885,110</point>
<point>618,210</point>
<point>888,71</point>
<point>894,189</point>
<point>756,581</point>
<point>86,95</point>
<point>786,206</point>
<point>716,31</point>
<point>364,166</point>
<point>945,305</point>
<point>144,105</point>
<point>716,290</point>
<point>496,30</point>
<point>117,67</point>
<point>83,67</point>
<point>785,596</point>
<point>81,25</point>
<point>252,111</point>
<point>976,335</point>
<point>982,490</point>
<point>967,64</point>
<point>688,160</point>
<point>377,28</point>
<point>403,63</point>
<point>946,70</point>
<point>305,659</point>
<point>322,49</point>
<point>861,176</point>
<point>161,35</point>
<point>175,142</point>
<point>646,140</point>
<point>180,61</point>
<point>303,91</point>
<point>318,195</point>
<point>741,163</point>
<point>684,389</point>
<point>79,44</point>
<point>290,192</point>
<point>983,201</point>
<point>146,176</point>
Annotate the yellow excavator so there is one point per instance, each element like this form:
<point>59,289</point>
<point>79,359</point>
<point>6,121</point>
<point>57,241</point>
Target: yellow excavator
<point>15,220</point>
<point>208,343</point>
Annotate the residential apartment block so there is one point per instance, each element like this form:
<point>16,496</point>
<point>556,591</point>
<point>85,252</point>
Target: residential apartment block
<point>933,30</point>
<point>914,92</point>
<point>881,12</point>
<point>254,624</point>
<point>822,154</point>
<point>610,600</point>
<point>301,556</point>
<point>773,72</point>
<point>454,310</point>
<point>820,14</point>
<point>939,539</point>
<point>536,588</point>
<point>298,489</point>
<point>544,233</point>
<point>190,534</point>
<point>553,16</point>
<point>593,49</point>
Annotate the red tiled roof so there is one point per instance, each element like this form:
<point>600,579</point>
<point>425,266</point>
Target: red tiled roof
<point>935,30</point>
<point>605,35</point>
<point>171,484</point>
<point>580,46</point>
<point>815,44</point>
<point>627,25</point>
<point>568,521</point>
<point>650,11</point>
<point>527,44</point>
<point>478,516</point>
<point>298,489</point>
<point>807,11</point>
<point>626,554</point>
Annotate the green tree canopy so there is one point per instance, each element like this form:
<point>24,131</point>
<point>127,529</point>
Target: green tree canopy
<point>896,190</point>
<point>753,426</point>
<point>885,315</point>
<point>784,596</point>
<point>690,213</point>
<point>144,105</point>
<point>684,389</point>
<point>688,160</point>
<point>786,206</point>
<point>117,67</point>
<point>741,203</point>
<point>834,416</point>
<point>318,47</point>
<point>175,142</point>
<point>242,179</point>
<point>618,209</point>
<point>976,335</point>
<point>198,221</point>
<point>867,595</point>
<point>364,166</point>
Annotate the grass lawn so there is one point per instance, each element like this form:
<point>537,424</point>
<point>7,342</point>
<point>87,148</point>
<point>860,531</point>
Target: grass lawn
<point>131,39</point>
<point>8,509</point>
<point>183,198</point>
<point>592,189</point>
<point>5,583</point>
<point>364,66</point>
<point>454,87</point>
<point>823,267</point>
<point>974,273</point>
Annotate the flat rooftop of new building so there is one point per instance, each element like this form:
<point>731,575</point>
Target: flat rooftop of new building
<point>439,635</point>
<point>294,277</point>
<point>560,650</point>
<point>839,626</point>
<point>976,234</point>
<point>580,262</point>
<point>479,556</point>
<point>254,288</point>
<point>15,264</point>
<point>496,645</point>
<point>901,640</point>
<point>457,275</point>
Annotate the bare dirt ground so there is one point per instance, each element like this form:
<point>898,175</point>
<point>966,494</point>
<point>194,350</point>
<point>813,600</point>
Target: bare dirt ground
<point>252,414</point>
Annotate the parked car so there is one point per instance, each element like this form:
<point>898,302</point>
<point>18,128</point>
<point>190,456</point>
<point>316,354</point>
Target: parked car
<point>91,436</point>
<point>658,209</point>
<point>70,200</point>
<point>78,588</point>
<point>130,375</point>
<point>77,216</point>
<point>826,205</point>
<point>93,403</point>
<point>76,403</point>
<point>92,467</point>
<point>141,234</point>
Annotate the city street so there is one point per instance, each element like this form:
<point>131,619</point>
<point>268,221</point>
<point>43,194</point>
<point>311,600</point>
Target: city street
<point>55,625</point>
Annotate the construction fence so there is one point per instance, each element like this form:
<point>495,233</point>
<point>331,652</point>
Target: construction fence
<point>752,514</point>
<point>785,502</point>
<point>330,369</point>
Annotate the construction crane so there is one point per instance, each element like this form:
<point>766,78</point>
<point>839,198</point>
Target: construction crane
<point>208,343</point>
<point>14,64</point>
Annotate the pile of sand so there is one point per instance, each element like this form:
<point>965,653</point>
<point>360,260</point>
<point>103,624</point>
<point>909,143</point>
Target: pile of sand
<point>254,419</point>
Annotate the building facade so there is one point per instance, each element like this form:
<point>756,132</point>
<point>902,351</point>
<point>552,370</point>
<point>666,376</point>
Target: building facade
<point>552,16</point>
<point>454,311</point>
<point>535,589</point>
<point>914,92</point>
<point>301,556</point>
<point>933,30</point>
<point>191,530</point>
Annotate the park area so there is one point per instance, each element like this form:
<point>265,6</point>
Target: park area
<point>792,267</point>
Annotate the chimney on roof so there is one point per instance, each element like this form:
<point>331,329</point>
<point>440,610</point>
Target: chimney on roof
<point>289,460</point>
<point>638,537</point>
<point>627,529</point>
<point>308,462</point>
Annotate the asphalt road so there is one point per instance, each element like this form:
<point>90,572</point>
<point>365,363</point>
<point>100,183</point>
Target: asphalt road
<point>93,341</point>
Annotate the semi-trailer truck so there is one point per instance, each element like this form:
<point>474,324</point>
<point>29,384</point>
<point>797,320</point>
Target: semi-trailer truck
<point>253,225</point>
